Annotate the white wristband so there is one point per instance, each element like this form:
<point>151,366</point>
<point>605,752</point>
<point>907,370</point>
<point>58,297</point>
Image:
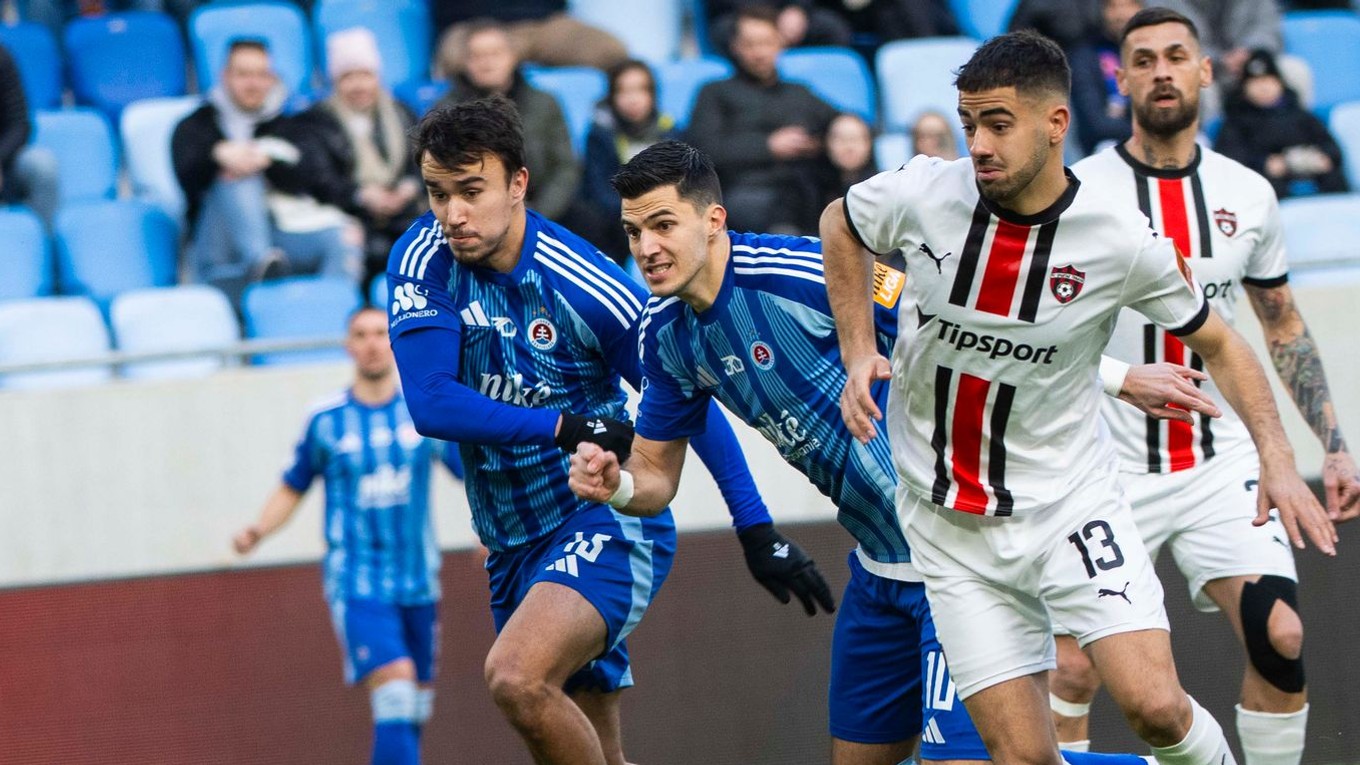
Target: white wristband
<point>1112,374</point>
<point>624,494</point>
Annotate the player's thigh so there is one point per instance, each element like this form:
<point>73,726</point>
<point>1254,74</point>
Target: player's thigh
<point>371,635</point>
<point>1075,680</point>
<point>553,632</point>
<point>421,627</point>
<point>1137,668</point>
<point>1014,720</point>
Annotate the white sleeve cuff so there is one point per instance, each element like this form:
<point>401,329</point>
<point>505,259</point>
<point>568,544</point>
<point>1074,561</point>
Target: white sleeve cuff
<point>1112,374</point>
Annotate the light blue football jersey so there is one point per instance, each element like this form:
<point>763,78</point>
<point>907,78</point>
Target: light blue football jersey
<point>380,542</point>
<point>767,350</point>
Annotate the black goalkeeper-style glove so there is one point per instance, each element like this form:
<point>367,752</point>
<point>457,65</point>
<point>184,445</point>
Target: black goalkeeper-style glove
<point>609,434</point>
<point>782,567</point>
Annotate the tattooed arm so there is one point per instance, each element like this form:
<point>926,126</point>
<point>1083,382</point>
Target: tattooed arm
<point>1296,359</point>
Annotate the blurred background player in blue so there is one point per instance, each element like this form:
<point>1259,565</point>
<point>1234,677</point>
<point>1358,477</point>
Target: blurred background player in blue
<point>745,319</point>
<point>511,335</point>
<point>382,561</point>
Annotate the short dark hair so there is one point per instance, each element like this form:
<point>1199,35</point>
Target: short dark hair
<point>1151,17</point>
<point>670,163</point>
<point>247,43</point>
<point>460,134</point>
<point>360,311</point>
<point>1024,60</point>
<point>759,12</point>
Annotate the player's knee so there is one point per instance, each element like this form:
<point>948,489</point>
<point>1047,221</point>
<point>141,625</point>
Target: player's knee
<point>1075,680</point>
<point>518,693</point>
<point>1286,633</point>
<point>396,701</point>
<point>1161,719</point>
<point>1273,631</point>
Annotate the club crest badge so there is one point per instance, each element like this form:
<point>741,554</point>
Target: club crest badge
<point>542,334</point>
<point>1226,222</point>
<point>762,355</point>
<point>1066,283</point>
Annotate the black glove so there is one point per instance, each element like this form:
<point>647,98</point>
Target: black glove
<point>610,435</point>
<point>782,567</point>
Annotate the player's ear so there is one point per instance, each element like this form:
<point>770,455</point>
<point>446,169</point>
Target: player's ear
<point>1206,72</point>
<point>1121,80</point>
<point>519,184</point>
<point>1059,120</point>
<point>717,219</point>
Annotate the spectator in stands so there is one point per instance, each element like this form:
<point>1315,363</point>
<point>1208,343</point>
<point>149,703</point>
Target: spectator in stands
<point>1063,21</point>
<point>849,156</point>
<point>763,134</point>
<point>625,122</point>
<point>540,31</point>
<point>800,22</point>
<point>492,67</point>
<point>933,136</point>
<point>885,20</point>
<point>28,174</point>
<point>1266,129</point>
<point>1231,29</point>
<point>228,155</point>
<point>1101,111</point>
<point>356,156</point>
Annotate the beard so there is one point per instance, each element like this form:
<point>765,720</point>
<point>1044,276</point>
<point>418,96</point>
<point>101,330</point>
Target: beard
<point>1018,180</point>
<point>1166,122</point>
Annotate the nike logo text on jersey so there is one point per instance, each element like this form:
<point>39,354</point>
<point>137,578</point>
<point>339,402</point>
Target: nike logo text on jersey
<point>939,267</point>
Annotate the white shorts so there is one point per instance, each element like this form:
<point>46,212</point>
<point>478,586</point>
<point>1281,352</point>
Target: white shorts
<point>992,582</point>
<point>1205,515</point>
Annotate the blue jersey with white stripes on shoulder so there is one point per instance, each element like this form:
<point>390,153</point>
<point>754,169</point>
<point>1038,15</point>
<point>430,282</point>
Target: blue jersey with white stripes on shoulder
<point>767,349</point>
<point>380,542</point>
<point>555,333</point>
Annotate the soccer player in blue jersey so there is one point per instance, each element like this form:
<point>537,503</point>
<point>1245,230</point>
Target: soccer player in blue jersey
<point>511,335</point>
<point>745,319</point>
<point>382,562</point>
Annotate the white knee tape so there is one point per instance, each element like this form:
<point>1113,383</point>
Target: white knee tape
<point>424,705</point>
<point>1067,708</point>
<point>396,701</point>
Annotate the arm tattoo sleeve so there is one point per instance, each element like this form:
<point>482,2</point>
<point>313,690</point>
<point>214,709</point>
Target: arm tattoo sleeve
<point>1296,359</point>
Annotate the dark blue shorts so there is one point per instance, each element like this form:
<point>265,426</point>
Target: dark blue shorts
<point>889,680</point>
<point>373,633</point>
<point>615,561</point>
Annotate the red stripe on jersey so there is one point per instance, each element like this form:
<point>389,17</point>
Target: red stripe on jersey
<point>1175,216</point>
<point>1180,436</point>
<point>1003,268</point>
<point>969,407</point>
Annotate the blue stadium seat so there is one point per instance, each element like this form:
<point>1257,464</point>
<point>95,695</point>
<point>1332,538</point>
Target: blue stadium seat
<point>402,28</point>
<point>916,75</point>
<point>678,83</point>
<point>188,318</point>
<point>52,329</point>
<point>300,307</point>
<point>577,89</point>
<point>892,150</point>
<point>146,127</point>
<point>1345,126</point>
<point>122,57</point>
<point>282,26</point>
<point>981,19</point>
<point>1320,230</point>
<point>650,28</point>
<point>377,292</point>
<point>838,75</point>
<point>35,51</point>
<point>421,95</point>
<point>25,256</point>
<point>109,246</point>
<point>696,12</point>
<point>87,163</point>
<point>1330,42</point>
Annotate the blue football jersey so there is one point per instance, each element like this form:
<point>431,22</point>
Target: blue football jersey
<point>380,542</point>
<point>767,349</point>
<point>557,332</point>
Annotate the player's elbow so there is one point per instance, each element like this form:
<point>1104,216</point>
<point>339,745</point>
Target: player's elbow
<point>832,222</point>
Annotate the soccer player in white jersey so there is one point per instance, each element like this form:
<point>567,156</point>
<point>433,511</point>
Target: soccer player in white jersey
<point>1192,484</point>
<point>382,562</point>
<point>1009,491</point>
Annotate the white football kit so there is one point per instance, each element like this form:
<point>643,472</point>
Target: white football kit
<point>1009,490</point>
<point>1193,486</point>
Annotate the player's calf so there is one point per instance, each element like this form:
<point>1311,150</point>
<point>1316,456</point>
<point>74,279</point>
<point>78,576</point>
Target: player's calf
<point>396,722</point>
<point>1072,687</point>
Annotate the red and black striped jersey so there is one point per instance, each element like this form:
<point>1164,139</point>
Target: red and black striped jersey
<point>1225,220</point>
<point>994,405</point>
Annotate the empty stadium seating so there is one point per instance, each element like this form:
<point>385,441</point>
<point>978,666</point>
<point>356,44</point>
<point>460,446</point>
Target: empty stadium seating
<point>304,307</point>
<point>281,25</point>
<point>39,60</point>
<point>577,89</point>
<point>982,19</point>
<point>52,329</point>
<point>421,95</point>
<point>377,292</point>
<point>892,150</point>
<point>678,83</point>
<point>187,318</point>
<point>402,29</point>
<point>1320,230</point>
<point>1345,126</point>
<point>650,28</point>
<point>145,128</point>
<point>123,57</point>
<point>86,158</point>
<point>1330,42</point>
<point>109,246</point>
<point>838,75</point>
<point>25,257</point>
<point>916,75</point>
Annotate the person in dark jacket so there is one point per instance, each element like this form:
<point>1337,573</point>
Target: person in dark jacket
<point>849,156</point>
<point>1100,110</point>
<point>1266,129</point>
<point>763,134</point>
<point>492,67</point>
<point>28,174</point>
<point>355,153</point>
<point>625,122</point>
<point>542,31</point>
<point>247,219</point>
<point>800,22</point>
